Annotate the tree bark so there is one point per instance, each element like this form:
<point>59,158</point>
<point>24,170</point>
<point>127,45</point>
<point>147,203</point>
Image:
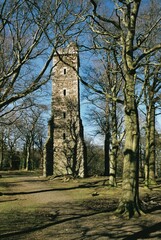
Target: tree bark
<point>149,168</point>
<point>107,140</point>
<point>1,149</point>
<point>114,150</point>
<point>129,204</point>
<point>28,158</point>
<point>107,158</point>
<point>146,166</point>
<point>112,175</point>
<point>152,180</point>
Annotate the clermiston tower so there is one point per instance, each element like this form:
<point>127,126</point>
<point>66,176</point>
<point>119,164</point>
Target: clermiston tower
<point>65,149</point>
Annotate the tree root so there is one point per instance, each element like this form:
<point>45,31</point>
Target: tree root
<point>128,210</point>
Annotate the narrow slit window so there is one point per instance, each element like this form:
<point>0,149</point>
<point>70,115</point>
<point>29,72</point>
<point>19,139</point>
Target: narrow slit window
<point>64,92</point>
<point>64,136</point>
<point>65,71</point>
<point>64,115</point>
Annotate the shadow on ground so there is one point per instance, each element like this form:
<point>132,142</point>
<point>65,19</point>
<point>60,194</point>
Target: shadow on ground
<point>77,222</point>
<point>91,218</point>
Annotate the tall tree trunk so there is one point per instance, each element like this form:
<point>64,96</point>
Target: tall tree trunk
<point>150,146</point>
<point>113,166</point>
<point>1,150</point>
<point>152,180</point>
<point>147,152</point>
<point>107,140</point>
<point>107,157</point>
<point>28,158</point>
<point>146,169</point>
<point>114,147</point>
<point>129,204</point>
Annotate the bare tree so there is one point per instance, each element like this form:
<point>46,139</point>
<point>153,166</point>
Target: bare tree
<point>30,33</point>
<point>119,31</point>
<point>105,113</point>
<point>151,87</point>
<point>31,130</point>
<point>151,97</point>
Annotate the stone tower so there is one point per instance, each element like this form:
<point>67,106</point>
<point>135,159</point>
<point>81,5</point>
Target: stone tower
<point>65,149</point>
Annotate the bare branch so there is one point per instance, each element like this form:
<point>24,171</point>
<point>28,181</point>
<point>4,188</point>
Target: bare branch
<point>107,20</point>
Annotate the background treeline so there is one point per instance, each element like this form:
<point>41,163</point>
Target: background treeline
<point>22,137</point>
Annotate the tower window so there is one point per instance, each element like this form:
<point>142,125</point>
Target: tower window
<point>64,136</point>
<point>65,71</point>
<point>64,115</point>
<point>64,92</point>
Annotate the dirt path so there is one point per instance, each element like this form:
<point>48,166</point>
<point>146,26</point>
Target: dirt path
<point>34,208</point>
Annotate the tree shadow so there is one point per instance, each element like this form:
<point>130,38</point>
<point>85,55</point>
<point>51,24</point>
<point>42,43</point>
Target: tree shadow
<point>89,219</point>
<point>80,186</point>
<point>151,203</point>
<point>8,200</point>
<point>53,220</point>
<point>147,232</point>
<point>80,222</point>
